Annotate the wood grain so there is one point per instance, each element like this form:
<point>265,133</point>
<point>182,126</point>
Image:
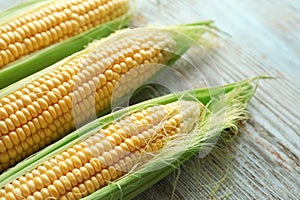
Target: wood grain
<point>264,161</point>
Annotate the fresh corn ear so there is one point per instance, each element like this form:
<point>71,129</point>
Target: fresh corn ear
<point>106,155</point>
<point>48,105</point>
<point>127,149</point>
<point>60,28</point>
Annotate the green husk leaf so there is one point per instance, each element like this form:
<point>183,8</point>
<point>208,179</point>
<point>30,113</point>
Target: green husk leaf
<point>192,32</point>
<point>205,96</point>
<point>45,57</point>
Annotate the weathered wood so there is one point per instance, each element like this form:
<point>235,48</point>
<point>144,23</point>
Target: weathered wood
<point>263,163</point>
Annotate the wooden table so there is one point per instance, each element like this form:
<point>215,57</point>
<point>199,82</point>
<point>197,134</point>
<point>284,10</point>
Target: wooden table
<point>263,162</point>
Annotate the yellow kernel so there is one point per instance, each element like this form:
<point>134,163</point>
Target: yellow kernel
<point>102,79</point>
<point>81,156</point>
<point>44,177</point>
<point>30,141</point>
<point>124,147</point>
<point>39,39</point>
<point>42,121</point>
<point>66,183</point>
<point>76,161</point>
<point>121,153</point>
<point>4,57</point>
<point>130,144</point>
<point>106,175</point>
<point>90,186</point>
<point>14,137</point>
<point>54,34</point>
<point>4,157</point>
<point>3,113</point>
<point>129,62</point>
<point>96,164</point>
<point>53,191</point>
<point>38,196</point>
<point>109,74</point>
<point>64,28</point>
<point>113,172</point>
<point>28,44</point>
<point>136,141</point>
<point>6,38</point>
<point>31,186</point>
<point>58,17</point>
<point>76,193</point>
<point>47,116</point>
<point>12,153</point>
<point>84,173</point>
<point>83,189</point>
<point>51,175</point>
<point>95,182</point>
<point>12,48</point>
<point>46,39</point>
<point>38,26</point>
<point>16,183</point>
<point>138,57</point>
<point>25,190</point>
<point>11,35</point>
<point>60,187</point>
<point>38,183</point>
<point>3,127</point>
<point>117,68</point>
<point>21,117</point>
<point>7,141</point>
<point>108,158</point>
<point>26,100</point>
<point>72,179</point>
<point>26,30</point>
<point>28,18</point>
<point>100,179</point>
<point>41,25</point>
<point>3,44</point>
<point>21,32</point>
<point>24,146</point>
<point>90,168</point>
<point>45,193</point>
<point>32,28</point>
<point>78,175</point>
<point>2,147</point>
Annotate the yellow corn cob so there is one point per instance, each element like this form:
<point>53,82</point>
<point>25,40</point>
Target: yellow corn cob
<point>106,155</point>
<point>43,110</point>
<point>53,22</point>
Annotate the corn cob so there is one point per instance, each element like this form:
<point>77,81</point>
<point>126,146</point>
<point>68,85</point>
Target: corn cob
<point>49,22</point>
<point>43,109</point>
<point>77,166</point>
<point>105,156</point>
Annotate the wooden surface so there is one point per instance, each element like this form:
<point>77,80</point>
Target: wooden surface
<point>263,163</point>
